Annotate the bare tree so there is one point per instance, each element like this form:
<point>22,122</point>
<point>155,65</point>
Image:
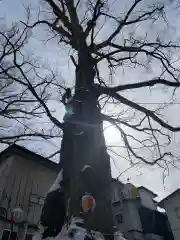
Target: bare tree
<point>19,73</point>
<point>78,25</point>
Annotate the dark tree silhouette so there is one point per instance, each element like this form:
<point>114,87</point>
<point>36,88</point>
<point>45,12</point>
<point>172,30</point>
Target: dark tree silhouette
<point>17,104</point>
<point>78,24</point>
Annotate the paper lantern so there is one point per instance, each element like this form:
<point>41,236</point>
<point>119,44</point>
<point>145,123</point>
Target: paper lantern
<point>88,203</point>
<point>17,215</point>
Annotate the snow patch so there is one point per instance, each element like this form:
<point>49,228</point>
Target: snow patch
<point>37,236</point>
<point>118,236</point>
<point>75,220</point>
<point>97,235</point>
<point>78,232</point>
<point>74,226</point>
<point>85,167</point>
<point>57,183</point>
<point>75,232</point>
<point>79,235</point>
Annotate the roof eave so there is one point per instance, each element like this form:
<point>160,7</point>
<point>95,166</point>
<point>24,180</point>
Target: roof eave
<point>24,152</point>
<point>154,194</point>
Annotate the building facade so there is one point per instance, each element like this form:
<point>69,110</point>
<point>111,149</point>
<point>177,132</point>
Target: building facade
<point>138,217</point>
<point>25,177</point>
<point>171,204</point>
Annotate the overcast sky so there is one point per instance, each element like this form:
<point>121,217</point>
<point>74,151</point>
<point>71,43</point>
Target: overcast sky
<point>57,59</point>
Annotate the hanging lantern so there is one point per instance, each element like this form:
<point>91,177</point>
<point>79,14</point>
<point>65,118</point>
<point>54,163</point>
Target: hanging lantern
<point>88,203</point>
<point>17,215</point>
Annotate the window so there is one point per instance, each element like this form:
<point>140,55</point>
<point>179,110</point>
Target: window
<point>6,235</point>
<point>119,218</point>
<point>29,236</point>
<point>115,197</point>
<point>13,236</point>
<point>3,212</point>
<point>177,211</point>
<point>37,199</point>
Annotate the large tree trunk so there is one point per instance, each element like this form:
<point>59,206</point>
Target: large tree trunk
<point>84,144</point>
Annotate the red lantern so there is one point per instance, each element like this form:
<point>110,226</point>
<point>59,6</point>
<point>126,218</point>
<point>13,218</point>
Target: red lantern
<point>88,203</point>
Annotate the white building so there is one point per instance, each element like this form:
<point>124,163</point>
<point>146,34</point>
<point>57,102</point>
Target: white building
<point>171,204</point>
<point>25,177</point>
<point>138,217</point>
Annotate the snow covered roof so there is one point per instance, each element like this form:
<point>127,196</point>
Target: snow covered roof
<point>147,190</point>
<point>173,194</point>
<point>27,154</point>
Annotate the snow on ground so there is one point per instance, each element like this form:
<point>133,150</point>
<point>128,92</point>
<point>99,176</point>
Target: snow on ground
<point>76,232</point>
<point>85,167</point>
<point>57,184</point>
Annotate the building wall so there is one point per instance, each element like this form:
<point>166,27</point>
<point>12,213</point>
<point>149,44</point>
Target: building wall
<point>117,205</point>
<point>22,179</point>
<point>127,211</point>
<point>172,207</point>
<point>5,168</point>
<point>153,237</point>
<point>116,190</point>
<point>132,225</point>
<point>147,199</point>
<point>26,181</point>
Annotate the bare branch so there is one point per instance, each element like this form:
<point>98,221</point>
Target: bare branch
<point>144,110</point>
<point>130,149</point>
<point>96,14</point>
<point>54,154</point>
<point>125,23</point>
<point>148,83</point>
<point>54,26</point>
<point>60,14</point>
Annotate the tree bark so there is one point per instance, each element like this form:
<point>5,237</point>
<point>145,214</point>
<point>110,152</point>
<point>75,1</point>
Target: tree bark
<point>84,144</point>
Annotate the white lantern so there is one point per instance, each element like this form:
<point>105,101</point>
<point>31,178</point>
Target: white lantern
<point>17,215</point>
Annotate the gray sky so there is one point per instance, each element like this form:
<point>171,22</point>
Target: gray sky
<point>57,58</point>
